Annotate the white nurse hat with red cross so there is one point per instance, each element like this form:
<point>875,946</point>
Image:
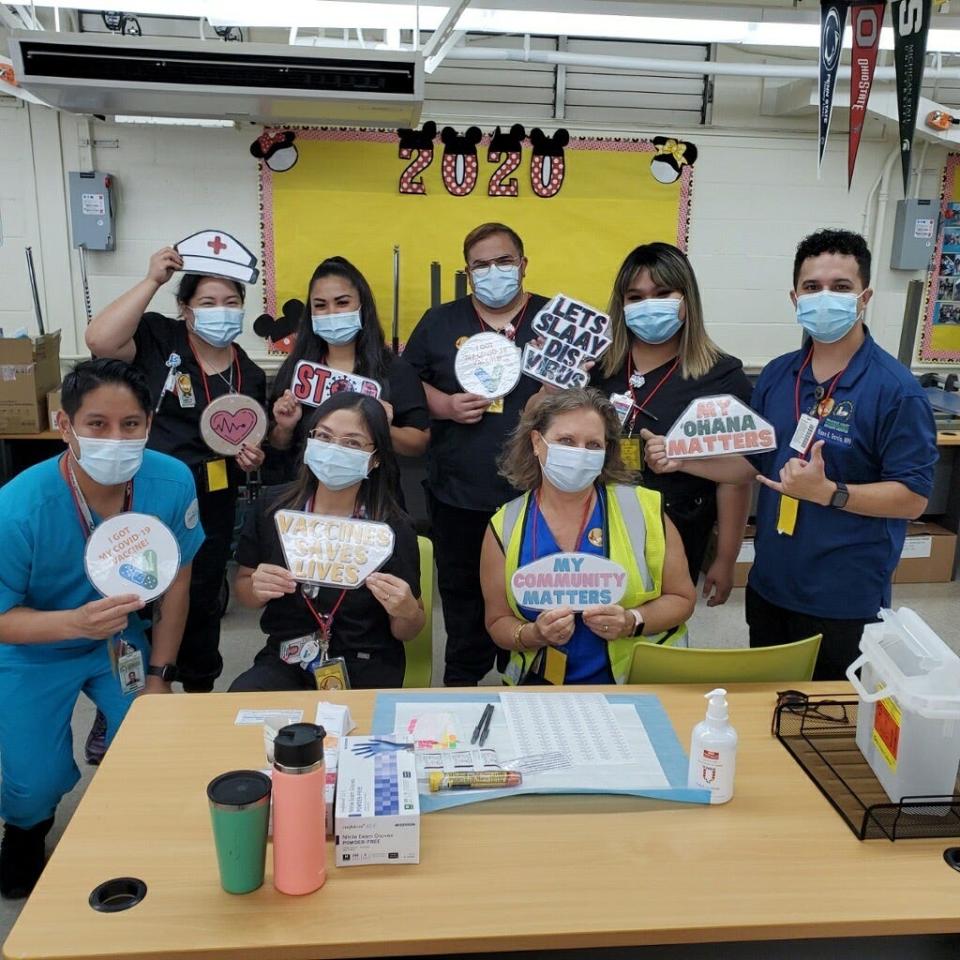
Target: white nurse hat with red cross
<point>215,253</point>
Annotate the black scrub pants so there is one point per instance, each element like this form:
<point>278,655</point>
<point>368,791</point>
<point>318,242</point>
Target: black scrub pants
<point>771,625</point>
<point>694,518</point>
<point>457,538</point>
<point>199,660</point>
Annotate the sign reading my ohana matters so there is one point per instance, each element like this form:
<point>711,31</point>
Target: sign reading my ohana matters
<point>334,551</point>
<point>717,427</point>
<point>313,383</point>
<point>571,333</point>
<point>574,580</point>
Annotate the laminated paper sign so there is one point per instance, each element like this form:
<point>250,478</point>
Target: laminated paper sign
<point>570,333</point>
<point>488,364</point>
<point>717,427</point>
<point>231,421</point>
<point>574,580</point>
<point>132,553</point>
<point>333,551</point>
<point>313,383</point>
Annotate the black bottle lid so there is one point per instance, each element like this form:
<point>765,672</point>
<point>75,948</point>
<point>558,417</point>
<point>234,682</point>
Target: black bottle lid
<point>299,745</point>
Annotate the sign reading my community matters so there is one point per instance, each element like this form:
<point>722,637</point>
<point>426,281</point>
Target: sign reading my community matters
<point>313,383</point>
<point>132,553</point>
<point>717,427</point>
<point>570,334</point>
<point>574,580</point>
<point>333,551</point>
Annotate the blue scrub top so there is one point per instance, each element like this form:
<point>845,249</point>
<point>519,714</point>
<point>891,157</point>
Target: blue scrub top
<point>588,660</point>
<point>41,559</point>
<point>838,565</point>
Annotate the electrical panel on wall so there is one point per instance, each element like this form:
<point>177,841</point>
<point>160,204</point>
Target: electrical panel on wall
<point>914,234</point>
<point>91,209</point>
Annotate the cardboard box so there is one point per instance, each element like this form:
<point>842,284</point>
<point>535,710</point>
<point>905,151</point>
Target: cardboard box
<point>29,370</point>
<point>744,557</point>
<point>53,408</point>
<point>927,555</point>
<point>378,805</point>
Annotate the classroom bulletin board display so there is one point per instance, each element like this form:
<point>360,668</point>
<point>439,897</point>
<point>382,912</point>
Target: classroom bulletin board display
<point>343,197</point>
<point>940,336</point>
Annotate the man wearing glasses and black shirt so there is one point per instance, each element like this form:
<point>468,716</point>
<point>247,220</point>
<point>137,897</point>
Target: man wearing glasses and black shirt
<point>467,432</point>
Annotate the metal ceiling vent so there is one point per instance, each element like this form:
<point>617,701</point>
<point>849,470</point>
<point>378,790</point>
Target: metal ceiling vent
<point>94,74</point>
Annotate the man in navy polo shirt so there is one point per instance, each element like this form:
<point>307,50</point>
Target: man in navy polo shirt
<point>856,450</point>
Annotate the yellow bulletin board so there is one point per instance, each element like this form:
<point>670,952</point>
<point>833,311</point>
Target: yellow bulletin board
<point>342,197</point>
<point>940,337</point>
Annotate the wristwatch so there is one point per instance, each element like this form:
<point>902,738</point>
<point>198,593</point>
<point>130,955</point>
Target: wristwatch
<point>638,621</point>
<point>167,673</point>
<point>840,496</point>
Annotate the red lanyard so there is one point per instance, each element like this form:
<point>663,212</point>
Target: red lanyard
<point>819,400</point>
<point>84,515</point>
<point>641,407</point>
<point>510,330</point>
<point>203,375</point>
<point>587,512</point>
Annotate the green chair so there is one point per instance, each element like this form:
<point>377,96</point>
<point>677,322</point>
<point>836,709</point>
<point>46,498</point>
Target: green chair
<point>419,650</point>
<point>653,663</point>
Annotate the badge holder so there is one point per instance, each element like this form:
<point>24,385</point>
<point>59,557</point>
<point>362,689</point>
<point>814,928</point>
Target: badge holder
<point>129,666</point>
<point>330,673</point>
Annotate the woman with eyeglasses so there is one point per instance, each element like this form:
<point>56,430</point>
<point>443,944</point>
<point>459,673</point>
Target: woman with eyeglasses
<point>662,359</point>
<point>341,330</point>
<point>348,470</point>
<point>565,455</point>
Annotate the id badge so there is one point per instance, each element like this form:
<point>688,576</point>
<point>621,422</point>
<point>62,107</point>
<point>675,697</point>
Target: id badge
<point>332,674</point>
<point>496,406</point>
<point>131,672</point>
<point>787,515</point>
<point>215,472</point>
<point>623,404</point>
<point>555,666</point>
<point>631,452</point>
<point>185,392</point>
<point>804,434</point>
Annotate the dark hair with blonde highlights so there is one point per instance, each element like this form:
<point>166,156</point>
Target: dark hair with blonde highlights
<point>519,465</point>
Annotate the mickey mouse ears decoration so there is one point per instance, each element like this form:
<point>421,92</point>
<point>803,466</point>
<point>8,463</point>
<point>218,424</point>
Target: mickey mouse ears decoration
<point>276,149</point>
<point>670,157</point>
<point>215,253</point>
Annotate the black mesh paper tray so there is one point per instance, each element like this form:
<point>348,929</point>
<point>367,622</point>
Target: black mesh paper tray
<point>820,733</point>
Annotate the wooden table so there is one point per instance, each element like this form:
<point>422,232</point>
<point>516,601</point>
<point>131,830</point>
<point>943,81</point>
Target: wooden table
<point>526,873</point>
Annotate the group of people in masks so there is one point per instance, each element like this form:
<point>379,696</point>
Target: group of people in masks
<point>831,513</point>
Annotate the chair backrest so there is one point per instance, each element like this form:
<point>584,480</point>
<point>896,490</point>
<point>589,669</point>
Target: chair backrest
<point>653,663</point>
<point>419,650</point>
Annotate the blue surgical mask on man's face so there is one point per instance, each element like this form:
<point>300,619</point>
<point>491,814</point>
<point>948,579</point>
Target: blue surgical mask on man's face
<point>828,316</point>
<point>110,462</point>
<point>495,286</point>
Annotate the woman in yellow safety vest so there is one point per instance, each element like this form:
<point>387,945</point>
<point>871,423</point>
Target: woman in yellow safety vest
<point>558,622</point>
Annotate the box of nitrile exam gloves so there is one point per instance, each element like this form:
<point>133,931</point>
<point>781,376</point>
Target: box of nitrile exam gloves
<point>378,806</point>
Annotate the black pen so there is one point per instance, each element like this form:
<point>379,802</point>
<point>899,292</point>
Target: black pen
<point>483,725</point>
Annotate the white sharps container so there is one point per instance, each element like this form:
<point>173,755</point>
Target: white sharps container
<point>908,719</point>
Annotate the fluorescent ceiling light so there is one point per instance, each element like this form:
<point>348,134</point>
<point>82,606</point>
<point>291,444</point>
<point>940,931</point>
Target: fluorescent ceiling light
<point>175,121</point>
<point>347,14</point>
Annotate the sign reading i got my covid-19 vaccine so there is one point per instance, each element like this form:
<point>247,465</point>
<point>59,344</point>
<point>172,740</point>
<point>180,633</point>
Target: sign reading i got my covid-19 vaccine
<point>717,427</point>
<point>574,580</point>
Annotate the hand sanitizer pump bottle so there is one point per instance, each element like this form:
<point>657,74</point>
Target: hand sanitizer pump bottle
<point>713,750</point>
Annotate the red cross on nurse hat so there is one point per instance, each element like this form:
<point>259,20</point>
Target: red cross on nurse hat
<point>215,253</point>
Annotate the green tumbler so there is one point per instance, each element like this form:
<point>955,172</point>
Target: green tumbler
<point>240,813</point>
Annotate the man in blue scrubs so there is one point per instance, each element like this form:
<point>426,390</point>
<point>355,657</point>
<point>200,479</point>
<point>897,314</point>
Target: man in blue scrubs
<point>56,632</point>
<point>856,450</point>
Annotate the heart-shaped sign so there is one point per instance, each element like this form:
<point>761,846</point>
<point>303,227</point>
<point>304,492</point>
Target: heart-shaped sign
<point>230,421</point>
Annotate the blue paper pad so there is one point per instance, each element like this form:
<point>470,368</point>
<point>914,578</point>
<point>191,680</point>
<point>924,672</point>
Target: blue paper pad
<point>671,755</point>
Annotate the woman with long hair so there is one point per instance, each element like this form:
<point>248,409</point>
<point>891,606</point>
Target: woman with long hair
<point>348,470</point>
<point>340,329</point>
<point>578,498</point>
<point>660,360</point>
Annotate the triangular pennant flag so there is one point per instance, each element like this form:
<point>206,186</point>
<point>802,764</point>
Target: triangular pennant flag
<point>911,22</point>
<point>833,18</point>
<point>866,19</point>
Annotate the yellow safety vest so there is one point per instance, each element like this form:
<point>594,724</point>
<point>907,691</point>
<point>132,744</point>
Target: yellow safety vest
<point>634,538</point>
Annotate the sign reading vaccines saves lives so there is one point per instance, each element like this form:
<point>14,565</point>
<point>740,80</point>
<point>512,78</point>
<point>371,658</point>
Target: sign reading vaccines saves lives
<point>574,580</point>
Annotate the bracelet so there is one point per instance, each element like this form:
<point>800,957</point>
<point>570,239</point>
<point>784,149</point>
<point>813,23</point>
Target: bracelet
<point>518,643</point>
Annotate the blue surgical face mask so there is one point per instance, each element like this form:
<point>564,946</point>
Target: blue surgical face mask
<point>334,466</point>
<point>337,328</point>
<point>219,326</point>
<point>572,469</point>
<point>110,462</point>
<point>653,321</point>
<point>496,286</point>
<point>828,316</point>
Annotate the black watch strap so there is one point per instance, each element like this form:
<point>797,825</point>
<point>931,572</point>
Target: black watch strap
<point>840,496</point>
<point>167,673</point>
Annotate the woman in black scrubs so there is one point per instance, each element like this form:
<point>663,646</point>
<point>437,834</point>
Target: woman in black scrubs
<point>190,361</point>
<point>340,329</point>
<point>348,469</point>
<point>660,360</point>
